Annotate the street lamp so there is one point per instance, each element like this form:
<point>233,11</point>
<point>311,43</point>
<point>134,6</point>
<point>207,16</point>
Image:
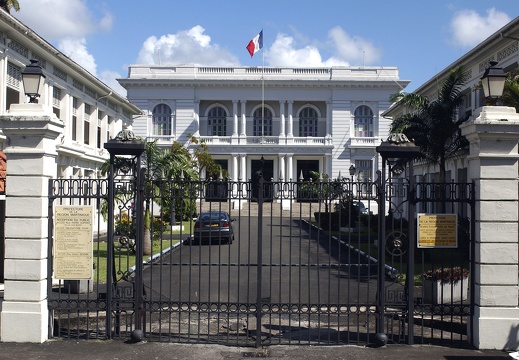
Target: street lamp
<point>32,77</point>
<point>493,82</point>
<point>352,170</point>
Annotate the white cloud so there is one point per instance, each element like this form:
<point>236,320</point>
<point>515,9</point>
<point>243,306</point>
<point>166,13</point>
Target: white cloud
<point>77,51</point>
<point>55,19</point>
<point>352,50</point>
<point>109,78</point>
<point>185,47</point>
<point>469,28</point>
<point>66,24</point>
<point>283,52</point>
<point>345,48</point>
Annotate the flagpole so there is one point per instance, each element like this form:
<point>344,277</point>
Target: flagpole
<point>262,93</point>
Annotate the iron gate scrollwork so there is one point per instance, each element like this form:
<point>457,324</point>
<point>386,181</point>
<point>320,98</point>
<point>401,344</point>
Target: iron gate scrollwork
<point>318,262</point>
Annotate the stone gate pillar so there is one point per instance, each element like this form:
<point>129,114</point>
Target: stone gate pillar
<point>31,133</point>
<point>493,165</point>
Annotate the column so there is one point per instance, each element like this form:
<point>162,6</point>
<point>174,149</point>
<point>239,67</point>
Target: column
<point>243,118</point>
<point>290,169</point>
<point>234,167</point>
<point>282,118</point>
<point>3,80</point>
<point>243,167</point>
<point>290,118</point>
<point>493,165</point>
<point>235,118</point>
<point>196,116</point>
<point>327,166</point>
<point>281,158</point>
<point>32,130</point>
<point>328,118</point>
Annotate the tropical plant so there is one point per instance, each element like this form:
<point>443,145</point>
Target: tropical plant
<point>162,165</point>
<point>434,124</point>
<point>204,160</point>
<point>511,90</point>
<point>7,5</point>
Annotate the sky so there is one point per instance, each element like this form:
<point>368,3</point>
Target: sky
<point>419,37</point>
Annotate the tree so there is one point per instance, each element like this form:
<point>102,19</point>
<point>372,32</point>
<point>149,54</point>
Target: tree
<point>511,90</point>
<point>203,159</point>
<point>7,5</point>
<point>161,166</point>
<point>434,125</point>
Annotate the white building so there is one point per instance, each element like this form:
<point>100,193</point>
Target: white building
<point>502,47</point>
<point>91,112</point>
<point>294,119</point>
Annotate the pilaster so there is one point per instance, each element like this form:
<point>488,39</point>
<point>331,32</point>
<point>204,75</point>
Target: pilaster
<point>493,165</point>
<point>31,131</point>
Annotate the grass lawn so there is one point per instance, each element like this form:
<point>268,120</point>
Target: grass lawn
<point>125,259</point>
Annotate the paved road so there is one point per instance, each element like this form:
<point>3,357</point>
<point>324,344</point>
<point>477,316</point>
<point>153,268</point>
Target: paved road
<point>299,265</point>
<point>304,277</point>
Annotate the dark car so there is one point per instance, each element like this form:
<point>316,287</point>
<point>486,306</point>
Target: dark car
<point>213,227</point>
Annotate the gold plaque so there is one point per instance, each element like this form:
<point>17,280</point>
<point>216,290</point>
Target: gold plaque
<point>73,259</point>
<point>437,231</point>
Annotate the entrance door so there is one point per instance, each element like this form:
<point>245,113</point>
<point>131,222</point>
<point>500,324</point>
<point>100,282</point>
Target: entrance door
<point>305,166</point>
<point>265,168</point>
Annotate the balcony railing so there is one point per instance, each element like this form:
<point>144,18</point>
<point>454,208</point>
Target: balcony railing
<point>266,140</point>
<point>359,142</point>
<point>162,139</point>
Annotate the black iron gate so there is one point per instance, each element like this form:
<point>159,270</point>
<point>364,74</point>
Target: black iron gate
<point>300,268</point>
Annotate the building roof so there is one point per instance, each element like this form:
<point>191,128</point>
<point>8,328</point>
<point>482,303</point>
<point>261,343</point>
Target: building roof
<point>192,75</point>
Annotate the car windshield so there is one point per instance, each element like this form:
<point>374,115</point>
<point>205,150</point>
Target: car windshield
<point>213,216</point>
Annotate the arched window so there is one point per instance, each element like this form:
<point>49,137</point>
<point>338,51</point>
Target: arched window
<point>363,121</point>
<point>162,120</point>
<point>308,122</point>
<point>217,122</point>
<point>262,122</point>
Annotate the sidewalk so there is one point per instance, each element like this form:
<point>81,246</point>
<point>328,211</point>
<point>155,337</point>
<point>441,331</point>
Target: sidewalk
<point>106,350</point>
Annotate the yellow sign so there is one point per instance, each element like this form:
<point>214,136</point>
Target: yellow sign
<point>73,235</point>
<point>437,231</point>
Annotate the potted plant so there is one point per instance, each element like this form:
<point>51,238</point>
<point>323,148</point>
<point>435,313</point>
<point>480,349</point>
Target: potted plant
<point>445,285</point>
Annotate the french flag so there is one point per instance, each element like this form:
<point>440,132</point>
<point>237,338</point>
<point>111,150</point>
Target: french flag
<point>255,44</point>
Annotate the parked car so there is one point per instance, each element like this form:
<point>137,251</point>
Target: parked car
<point>213,227</point>
<point>361,206</point>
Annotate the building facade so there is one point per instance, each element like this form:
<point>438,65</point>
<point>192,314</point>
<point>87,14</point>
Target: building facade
<point>286,121</point>
<point>91,112</point>
<point>502,47</point>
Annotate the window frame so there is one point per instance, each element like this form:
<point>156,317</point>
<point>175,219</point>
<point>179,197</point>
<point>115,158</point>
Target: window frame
<point>262,128</point>
<point>363,123</point>
<point>217,121</point>
<point>308,120</point>
<point>161,120</point>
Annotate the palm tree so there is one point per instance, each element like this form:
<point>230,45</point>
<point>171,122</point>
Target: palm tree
<point>7,5</point>
<point>434,125</point>
<point>511,90</point>
<point>161,166</point>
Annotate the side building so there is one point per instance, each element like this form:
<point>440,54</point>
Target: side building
<point>91,111</point>
<point>501,47</point>
<point>286,121</point>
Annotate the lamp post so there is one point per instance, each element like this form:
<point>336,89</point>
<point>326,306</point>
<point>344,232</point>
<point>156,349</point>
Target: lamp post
<point>493,82</point>
<point>32,77</point>
<point>397,146</point>
<point>352,171</point>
